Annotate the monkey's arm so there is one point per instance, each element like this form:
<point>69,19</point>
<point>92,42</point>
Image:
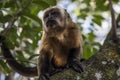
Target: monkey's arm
<point>75,52</point>
<point>25,71</point>
<point>74,61</point>
<point>44,65</point>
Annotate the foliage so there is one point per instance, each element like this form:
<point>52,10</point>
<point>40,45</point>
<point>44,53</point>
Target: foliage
<point>23,36</point>
<point>93,9</point>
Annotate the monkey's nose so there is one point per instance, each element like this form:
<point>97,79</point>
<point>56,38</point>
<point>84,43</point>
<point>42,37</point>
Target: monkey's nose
<point>51,23</point>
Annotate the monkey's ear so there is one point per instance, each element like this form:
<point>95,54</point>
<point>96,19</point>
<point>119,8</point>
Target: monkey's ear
<point>65,10</point>
<point>67,14</point>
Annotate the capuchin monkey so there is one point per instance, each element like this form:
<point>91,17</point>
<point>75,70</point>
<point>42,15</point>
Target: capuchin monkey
<point>61,46</point>
<point>61,43</point>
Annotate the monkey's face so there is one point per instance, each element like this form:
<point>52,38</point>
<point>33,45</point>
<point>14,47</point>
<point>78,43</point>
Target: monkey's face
<point>54,20</point>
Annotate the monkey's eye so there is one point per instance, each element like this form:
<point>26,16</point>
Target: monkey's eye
<point>47,15</point>
<point>55,13</point>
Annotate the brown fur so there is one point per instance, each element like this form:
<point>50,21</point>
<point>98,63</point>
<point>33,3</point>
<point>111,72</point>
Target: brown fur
<point>57,45</point>
<point>70,38</point>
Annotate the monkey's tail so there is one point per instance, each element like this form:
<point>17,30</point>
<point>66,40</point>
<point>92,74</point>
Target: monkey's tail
<point>25,71</point>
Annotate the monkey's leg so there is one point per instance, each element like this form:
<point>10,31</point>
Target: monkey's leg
<point>73,60</point>
<point>56,70</point>
<point>44,65</point>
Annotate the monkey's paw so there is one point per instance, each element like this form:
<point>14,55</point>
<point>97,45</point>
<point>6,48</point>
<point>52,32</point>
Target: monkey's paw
<point>76,65</point>
<point>44,77</point>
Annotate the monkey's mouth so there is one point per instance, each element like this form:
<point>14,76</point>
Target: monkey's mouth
<point>51,23</point>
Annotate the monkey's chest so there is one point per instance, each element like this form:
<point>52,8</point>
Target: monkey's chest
<point>60,48</point>
<point>60,56</point>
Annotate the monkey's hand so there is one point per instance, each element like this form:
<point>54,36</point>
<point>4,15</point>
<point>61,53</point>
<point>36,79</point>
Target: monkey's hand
<point>44,77</point>
<point>76,65</point>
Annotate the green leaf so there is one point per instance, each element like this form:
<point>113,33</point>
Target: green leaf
<point>98,22</point>
<point>1,14</point>
<point>83,16</point>
<point>101,6</point>
<point>35,9</point>
<point>33,56</point>
<point>91,36</point>
<point>115,1</point>
<point>51,3</point>
<point>11,38</point>
<point>21,58</point>
<point>97,19</point>
<point>9,3</point>
<point>5,18</point>
<point>41,4</point>
<point>20,55</point>
<point>33,17</point>
<point>86,1</point>
<point>5,69</point>
<point>87,52</point>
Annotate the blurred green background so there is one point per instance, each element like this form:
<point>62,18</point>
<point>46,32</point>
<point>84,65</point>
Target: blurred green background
<point>23,37</point>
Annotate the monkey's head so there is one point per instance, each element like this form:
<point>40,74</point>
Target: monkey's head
<point>55,20</point>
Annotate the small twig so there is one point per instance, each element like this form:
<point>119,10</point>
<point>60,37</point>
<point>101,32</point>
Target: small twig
<point>113,29</point>
<point>10,24</point>
<point>118,21</point>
